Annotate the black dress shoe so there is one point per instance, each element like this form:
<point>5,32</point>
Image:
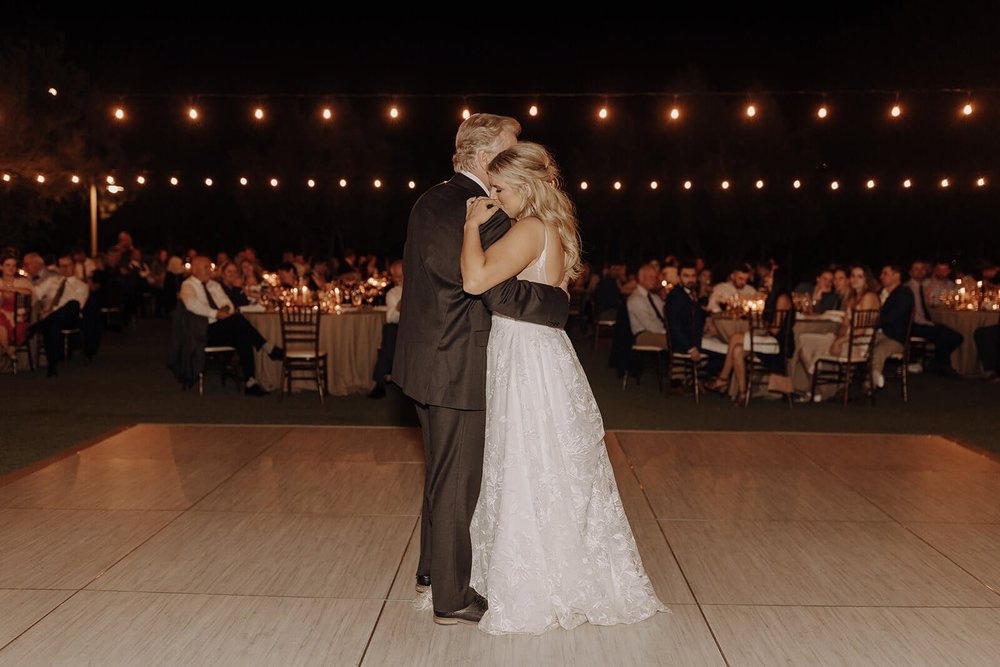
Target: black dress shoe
<point>277,353</point>
<point>470,615</point>
<point>423,582</point>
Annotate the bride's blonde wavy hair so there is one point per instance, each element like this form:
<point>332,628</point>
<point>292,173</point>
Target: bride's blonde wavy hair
<point>530,169</point>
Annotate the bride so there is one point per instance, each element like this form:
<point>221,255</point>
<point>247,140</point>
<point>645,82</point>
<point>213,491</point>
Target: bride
<point>551,544</point>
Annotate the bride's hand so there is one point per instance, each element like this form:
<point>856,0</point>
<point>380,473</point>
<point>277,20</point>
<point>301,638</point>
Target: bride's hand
<point>480,209</point>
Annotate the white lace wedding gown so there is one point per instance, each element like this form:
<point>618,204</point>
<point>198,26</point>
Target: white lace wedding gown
<point>550,541</point>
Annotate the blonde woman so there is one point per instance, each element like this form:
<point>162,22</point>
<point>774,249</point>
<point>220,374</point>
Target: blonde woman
<point>551,545</point>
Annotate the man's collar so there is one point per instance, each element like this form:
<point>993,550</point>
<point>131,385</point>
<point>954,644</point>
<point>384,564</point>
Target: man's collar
<point>475,179</point>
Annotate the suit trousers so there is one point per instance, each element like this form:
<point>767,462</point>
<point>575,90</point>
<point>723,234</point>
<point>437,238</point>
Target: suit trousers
<point>988,347</point>
<point>945,341</point>
<point>66,317</point>
<point>236,331</point>
<point>453,450</point>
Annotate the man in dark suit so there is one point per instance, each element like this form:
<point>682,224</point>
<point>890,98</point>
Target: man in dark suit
<point>897,309</point>
<point>440,359</point>
<point>686,321</point>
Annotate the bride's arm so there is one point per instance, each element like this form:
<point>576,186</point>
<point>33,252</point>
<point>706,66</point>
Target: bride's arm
<point>505,259</point>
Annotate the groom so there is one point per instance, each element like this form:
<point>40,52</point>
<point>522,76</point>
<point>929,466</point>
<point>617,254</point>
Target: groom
<point>441,359</point>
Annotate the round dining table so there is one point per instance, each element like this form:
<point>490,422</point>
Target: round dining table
<point>965,359</point>
<point>350,337</point>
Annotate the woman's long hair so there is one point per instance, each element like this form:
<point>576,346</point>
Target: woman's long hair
<point>531,171</point>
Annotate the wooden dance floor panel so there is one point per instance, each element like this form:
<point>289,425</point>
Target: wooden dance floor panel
<point>237,545</point>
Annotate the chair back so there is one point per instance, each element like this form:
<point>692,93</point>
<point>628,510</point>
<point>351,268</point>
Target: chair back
<point>773,324</point>
<point>300,328</point>
<point>861,335</point>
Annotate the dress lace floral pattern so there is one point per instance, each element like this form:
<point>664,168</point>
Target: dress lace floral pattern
<point>551,543</point>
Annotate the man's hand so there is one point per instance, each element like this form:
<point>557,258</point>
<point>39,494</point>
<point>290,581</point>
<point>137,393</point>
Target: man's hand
<point>223,313</point>
<point>695,353</point>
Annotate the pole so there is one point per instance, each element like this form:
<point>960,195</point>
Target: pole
<point>93,220</point>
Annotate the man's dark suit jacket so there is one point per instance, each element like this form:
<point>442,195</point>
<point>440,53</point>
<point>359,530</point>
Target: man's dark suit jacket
<point>685,319</point>
<point>896,311</point>
<point>441,349</point>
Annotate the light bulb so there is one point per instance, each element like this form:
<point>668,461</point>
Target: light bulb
<point>583,184</point>
<point>603,113</point>
<point>533,110</point>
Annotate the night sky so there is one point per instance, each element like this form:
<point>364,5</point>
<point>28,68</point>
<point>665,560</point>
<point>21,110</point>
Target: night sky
<point>432,69</point>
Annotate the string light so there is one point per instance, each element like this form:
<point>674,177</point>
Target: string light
<point>274,182</point>
<point>377,183</point>
<point>141,180</point>
<point>173,180</point>
<point>751,111</point>
<point>209,182</point>
<point>193,113</point>
<point>258,113</point>
<point>115,189</point>
<point>74,178</point>
<point>870,184</point>
<point>675,113</point>
<point>243,181</point>
<point>53,92</point>
<point>412,185</point>
<point>618,185</point>
<point>835,185</point>
<point>343,182</point>
<point>465,114</point>
<point>311,183</point>
<point>603,113</point>
<point>822,112</point>
<point>111,180</point>
<point>533,110</point>
<point>725,185</point>
<point>907,183</point>
<point>796,184</point>
<point>967,110</point>
<point>583,185</point>
<point>327,113</point>
<point>40,178</point>
<point>980,182</point>
<point>120,113</point>
<point>653,185</point>
<point>394,113</point>
<point>760,184</point>
<point>945,183</point>
<point>6,178</point>
<point>687,185</point>
<point>896,111</point>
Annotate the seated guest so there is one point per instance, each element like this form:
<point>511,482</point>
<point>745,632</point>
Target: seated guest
<point>737,285</point>
<point>895,317</point>
<point>704,287</point>
<point>645,309</point>
<point>232,285</point>
<point>671,270</point>
<point>945,339</point>
<point>824,296</point>
<point>12,284</point>
<point>35,267</point>
<point>386,351</point>
<point>250,273</point>
<point>841,285</point>
<point>812,346</point>
<point>940,282</point>
<point>769,346</point>
<point>288,275</point>
<point>61,298</point>
<point>608,294</point>
<point>318,276</point>
<point>203,296</point>
<point>687,320</point>
<point>988,350</point>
